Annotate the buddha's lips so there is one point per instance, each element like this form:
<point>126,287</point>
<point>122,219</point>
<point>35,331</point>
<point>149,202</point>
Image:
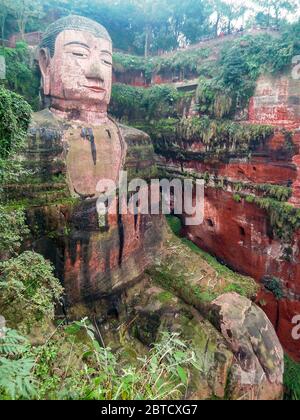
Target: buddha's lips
<point>96,89</point>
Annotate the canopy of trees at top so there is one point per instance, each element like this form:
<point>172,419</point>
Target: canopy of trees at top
<point>148,26</point>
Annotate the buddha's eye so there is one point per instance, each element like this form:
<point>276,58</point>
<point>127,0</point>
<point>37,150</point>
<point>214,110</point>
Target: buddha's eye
<point>79,54</point>
<point>106,59</point>
<point>106,62</point>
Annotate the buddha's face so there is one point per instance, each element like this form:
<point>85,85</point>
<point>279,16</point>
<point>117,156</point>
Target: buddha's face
<point>80,70</point>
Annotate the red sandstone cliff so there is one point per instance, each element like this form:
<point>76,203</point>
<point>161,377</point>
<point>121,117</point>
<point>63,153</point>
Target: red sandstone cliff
<point>238,231</point>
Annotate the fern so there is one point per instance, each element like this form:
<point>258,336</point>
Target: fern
<point>16,366</point>
<point>16,379</point>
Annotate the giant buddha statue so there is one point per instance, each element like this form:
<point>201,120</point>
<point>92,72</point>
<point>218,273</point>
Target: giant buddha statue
<point>75,139</point>
<point>75,58</point>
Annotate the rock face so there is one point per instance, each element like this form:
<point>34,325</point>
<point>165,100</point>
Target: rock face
<point>245,224</point>
<point>258,367</point>
<point>237,351</point>
<point>103,271</point>
<point>276,101</point>
<point>234,228</point>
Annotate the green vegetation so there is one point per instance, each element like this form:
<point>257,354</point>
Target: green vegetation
<point>153,25</point>
<point>226,83</point>
<point>130,103</point>
<point>27,283</point>
<point>69,362</point>
<point>166,277</point>
<point>21,75</point>
<point>16,366</point>
<point>231,80</point>
<point>275,286</point>
<point>172,273</point>
<point>71,365</point>
<point>182,63</point>
<point>245,285</point>
<point>277,192</point>
<point>13,229</point>
<point>284,218</point>
<point>221,139</point>
<point>15,115</point>
<point>292,380</point>
<point>213,99</point>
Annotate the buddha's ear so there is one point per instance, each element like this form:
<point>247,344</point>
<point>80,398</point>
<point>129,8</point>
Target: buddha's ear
<point>44,63</point>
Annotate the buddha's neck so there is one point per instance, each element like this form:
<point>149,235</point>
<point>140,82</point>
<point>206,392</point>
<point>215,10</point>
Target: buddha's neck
<point>74,111</point>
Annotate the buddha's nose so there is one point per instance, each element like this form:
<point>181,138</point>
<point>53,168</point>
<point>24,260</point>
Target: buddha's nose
<point>95,72</point>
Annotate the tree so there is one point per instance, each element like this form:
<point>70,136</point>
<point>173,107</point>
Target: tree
<point>190,19</point>
<point>218,7</point>
<point>24,11</point>
<point>225,14</point>
<point>273,9</point>
<point>5,10</point>
<point>151,15</point>
<point>233,12</point>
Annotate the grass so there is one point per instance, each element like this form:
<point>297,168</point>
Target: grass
<point>242,287</point>
<point>193,275</point>
<point>292,379</point>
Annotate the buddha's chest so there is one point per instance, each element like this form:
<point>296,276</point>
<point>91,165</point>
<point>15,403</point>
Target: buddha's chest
<point>92,155</point>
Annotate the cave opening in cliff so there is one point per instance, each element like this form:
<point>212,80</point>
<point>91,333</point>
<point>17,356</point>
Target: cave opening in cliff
<point>210,223</point>
<point>242,231</point>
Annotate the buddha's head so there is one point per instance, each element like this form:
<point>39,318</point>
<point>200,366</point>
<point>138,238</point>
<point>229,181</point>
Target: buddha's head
<point>75,58</point>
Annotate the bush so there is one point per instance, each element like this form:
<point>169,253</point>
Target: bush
<point>21,75</point>
<point>135,103</point>
<point>15,115</point>
<point>274,285</point>
<point>28,290</point>
<point>162,374</point>
<point>13,228</point>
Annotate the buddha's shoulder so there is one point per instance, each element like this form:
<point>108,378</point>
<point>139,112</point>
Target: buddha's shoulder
<point>133,135</point>
<point>46,120</point>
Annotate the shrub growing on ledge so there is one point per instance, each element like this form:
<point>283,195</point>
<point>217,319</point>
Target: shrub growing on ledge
<point>274,285</point>
<point>284,218</point>
<point>135,103</point>
<point>213,99</point>
<point>235,73</point>
<point>185,62</point>
<point>227,81</point>
<point>220,138</point>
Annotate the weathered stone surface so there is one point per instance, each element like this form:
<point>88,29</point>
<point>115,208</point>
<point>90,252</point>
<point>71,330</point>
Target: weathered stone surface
<point>234,228</point>
<point>276,101</point>
<point>282,313</point>
<point>159,311</point>
<point>258,368</point>
<point>239,232</point>
<point>239,357</point>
